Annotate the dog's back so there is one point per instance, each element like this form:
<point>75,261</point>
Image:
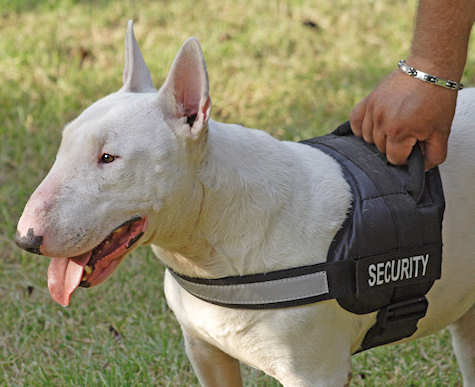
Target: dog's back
<point>454,293</point>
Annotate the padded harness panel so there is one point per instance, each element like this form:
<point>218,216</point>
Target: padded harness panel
<point>385,257</point>
<point>394,231</point>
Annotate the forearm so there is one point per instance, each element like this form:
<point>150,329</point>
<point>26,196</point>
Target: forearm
<point>441,37</point>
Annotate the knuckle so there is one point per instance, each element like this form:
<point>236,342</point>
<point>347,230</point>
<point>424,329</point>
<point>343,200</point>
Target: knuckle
<point>394,131</point>
<point>378,118</point>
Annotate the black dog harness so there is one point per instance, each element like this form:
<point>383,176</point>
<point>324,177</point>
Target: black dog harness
<point>385,257</point>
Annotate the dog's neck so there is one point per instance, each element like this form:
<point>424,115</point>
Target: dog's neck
<point>256,205</point>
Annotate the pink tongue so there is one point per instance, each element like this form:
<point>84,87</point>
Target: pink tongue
<point>64,276</point>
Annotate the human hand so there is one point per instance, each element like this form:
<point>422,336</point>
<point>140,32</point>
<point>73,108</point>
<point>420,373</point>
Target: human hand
<point>400,112</point>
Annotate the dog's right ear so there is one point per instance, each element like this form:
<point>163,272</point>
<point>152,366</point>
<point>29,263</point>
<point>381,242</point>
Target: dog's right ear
<point>186,90</point>
<point>136,75</point>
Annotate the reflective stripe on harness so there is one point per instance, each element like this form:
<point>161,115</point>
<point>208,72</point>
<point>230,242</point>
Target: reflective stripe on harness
<point>261,293</point>
<point>276,289</point>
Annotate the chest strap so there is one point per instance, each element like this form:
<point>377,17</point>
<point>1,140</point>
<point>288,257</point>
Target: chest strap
<point>276,289</point>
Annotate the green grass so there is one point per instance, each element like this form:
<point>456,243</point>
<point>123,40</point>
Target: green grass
<point>267,70</point>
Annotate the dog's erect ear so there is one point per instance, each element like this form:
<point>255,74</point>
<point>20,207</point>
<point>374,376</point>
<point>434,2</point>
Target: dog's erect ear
<point>136,74</point>
<point>186,89</point>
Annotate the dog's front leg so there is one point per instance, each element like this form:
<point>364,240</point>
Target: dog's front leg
<point>212,366</point>
<point>463,340</point>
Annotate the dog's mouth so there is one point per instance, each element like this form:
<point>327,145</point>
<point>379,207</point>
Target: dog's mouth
<point>65,275</point>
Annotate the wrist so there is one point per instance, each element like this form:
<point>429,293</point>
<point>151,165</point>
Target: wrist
<point>440,41</point>
<point>446,68</point>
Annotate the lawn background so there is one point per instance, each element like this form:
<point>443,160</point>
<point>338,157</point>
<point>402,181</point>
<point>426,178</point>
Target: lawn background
<point>294,68</point>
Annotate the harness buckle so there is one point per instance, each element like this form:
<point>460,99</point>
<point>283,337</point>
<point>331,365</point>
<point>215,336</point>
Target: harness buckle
<point>395,321</point>
<point>402,312</point>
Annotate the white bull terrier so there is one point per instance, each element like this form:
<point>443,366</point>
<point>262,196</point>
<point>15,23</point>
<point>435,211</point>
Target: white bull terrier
<point>213,200</point>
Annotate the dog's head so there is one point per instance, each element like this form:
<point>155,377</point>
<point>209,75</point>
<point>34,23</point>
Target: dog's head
<point>125,157</point>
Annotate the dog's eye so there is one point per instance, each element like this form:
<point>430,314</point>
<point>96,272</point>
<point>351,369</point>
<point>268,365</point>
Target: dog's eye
<point>107,158</point>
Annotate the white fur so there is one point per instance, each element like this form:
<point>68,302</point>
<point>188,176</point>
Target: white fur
<point>226,200</point>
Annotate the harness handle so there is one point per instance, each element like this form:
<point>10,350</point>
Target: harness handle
<point>415,164</point>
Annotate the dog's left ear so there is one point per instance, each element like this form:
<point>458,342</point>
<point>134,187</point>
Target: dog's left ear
<point>186,89</point>
<point>136,75</point>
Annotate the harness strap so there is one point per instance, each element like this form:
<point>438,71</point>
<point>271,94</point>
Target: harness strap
<point>301,285</point>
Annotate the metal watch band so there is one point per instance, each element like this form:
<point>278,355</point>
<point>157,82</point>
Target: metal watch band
<point>411,71</point>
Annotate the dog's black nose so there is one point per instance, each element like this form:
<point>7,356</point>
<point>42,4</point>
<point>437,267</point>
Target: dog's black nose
<point>29,242</point>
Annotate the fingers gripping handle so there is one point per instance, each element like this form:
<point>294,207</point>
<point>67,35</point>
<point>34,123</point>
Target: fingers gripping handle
<point>415,164</point>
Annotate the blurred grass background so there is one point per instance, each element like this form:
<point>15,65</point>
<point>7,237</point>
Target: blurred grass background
<point>294,68</point>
